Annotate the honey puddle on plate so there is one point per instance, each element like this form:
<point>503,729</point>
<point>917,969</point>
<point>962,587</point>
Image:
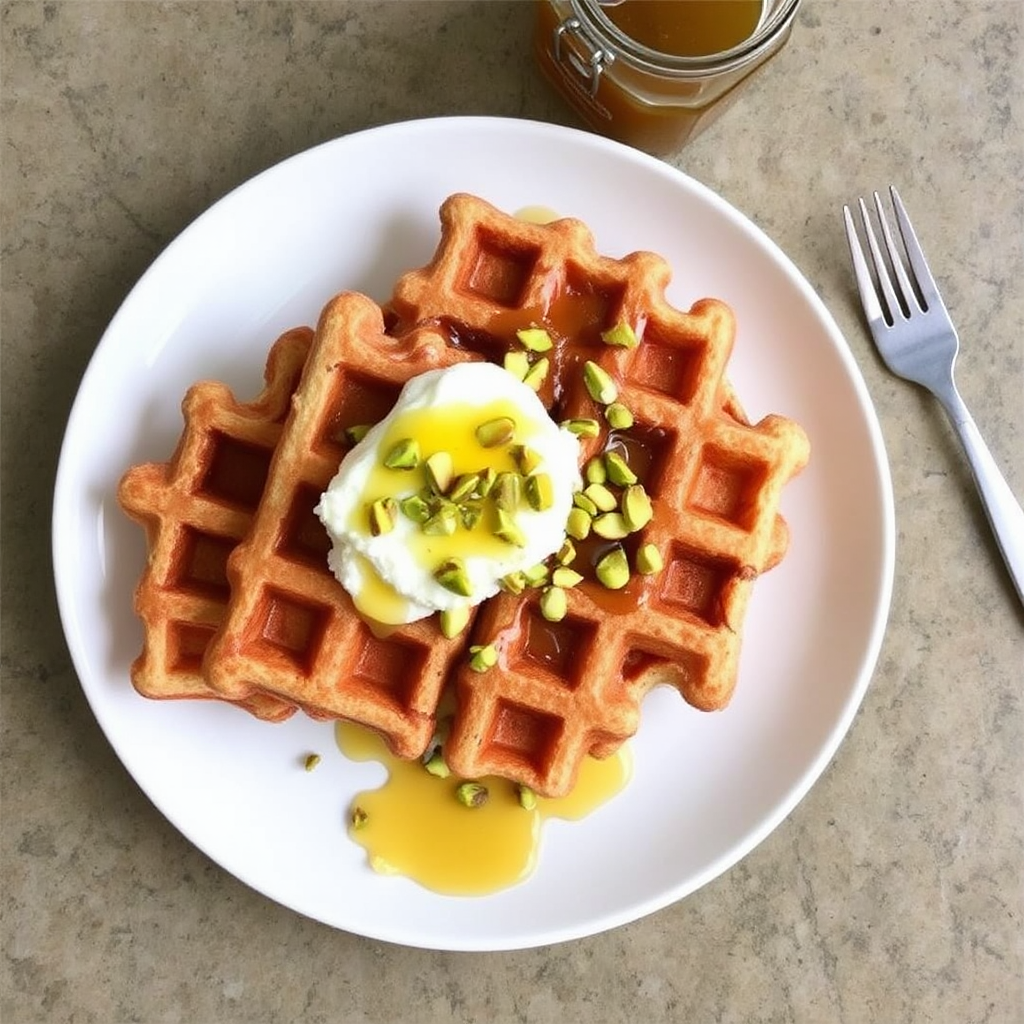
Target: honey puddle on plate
<point>414,824</point>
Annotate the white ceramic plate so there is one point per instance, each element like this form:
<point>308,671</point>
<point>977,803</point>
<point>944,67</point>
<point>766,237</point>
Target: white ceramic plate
<point>353,214</point>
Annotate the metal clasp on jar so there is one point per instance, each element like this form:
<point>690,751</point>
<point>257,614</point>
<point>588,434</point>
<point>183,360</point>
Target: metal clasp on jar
<point>581,52</point>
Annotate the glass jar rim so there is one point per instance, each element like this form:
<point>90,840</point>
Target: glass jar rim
<point>648,59</point>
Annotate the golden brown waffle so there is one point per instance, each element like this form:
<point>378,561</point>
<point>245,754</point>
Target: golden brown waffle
<point>290,629</point>
<point>562,690</point>
<point>195,508</point>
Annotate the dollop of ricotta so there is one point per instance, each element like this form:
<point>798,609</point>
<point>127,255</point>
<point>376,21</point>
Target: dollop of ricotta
<point>391,574</point>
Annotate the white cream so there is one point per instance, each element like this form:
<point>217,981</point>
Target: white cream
<point>443,406</point>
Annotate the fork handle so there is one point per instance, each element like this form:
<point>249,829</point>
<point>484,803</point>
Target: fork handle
<point>1005,515</point>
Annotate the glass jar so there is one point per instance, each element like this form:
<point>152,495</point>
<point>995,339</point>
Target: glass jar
<point>646,97</point>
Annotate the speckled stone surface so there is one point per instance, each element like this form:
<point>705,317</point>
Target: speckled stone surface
<point>894,891</point>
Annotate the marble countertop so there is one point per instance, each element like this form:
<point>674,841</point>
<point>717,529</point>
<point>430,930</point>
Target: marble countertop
<point>895,891</point>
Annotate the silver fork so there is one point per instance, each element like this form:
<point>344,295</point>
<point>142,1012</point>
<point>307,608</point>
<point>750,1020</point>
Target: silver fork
<point>916,338</point>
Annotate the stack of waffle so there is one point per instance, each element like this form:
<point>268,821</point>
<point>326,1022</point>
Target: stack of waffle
<point>237,598</point>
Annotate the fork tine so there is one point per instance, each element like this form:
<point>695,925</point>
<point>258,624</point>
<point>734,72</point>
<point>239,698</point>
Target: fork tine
<point>925,282</point>
<point>866,287</point>
<point>881,271</point>
<point>906,288</point>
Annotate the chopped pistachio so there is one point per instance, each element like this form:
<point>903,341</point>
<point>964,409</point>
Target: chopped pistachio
<point>578,523</point>
<point>582,427</point>
<point>566,577</point>
<point>439,469</point>
<point>636,507</point>
<point>513,583</point>
<point>487,477</point>
<point>452,575</point>
<point>536,339</point>
<point>359,818</point>
<point>436,766</point>
<point>494,433</point>
<point>553,604</point>
<point>527,797</point>
<point>506,491</point>
<point>311,761</point>
<point>464,486</point>
<point>454,620</point>
<point>382,515</point>
<point>611,526</point>
<point>472,794</point>
<point>583,501</point>
<point>508,530</point>
<point>649,560</point>
<point>517,363</point>
<point>416,508</point>
<point>443,522</point>
<point>481,658</point>
<point>618,469</point>
<point>404,454</point>
<point>540,491</point>
<point>613,569</point>
<point>602,498</point>
<point>356,432</point>
<point>526,459</point>
<point>599,383</point>
<point>537,575</point>
<point>470,513</point>
<point>618,416</point>
<point>621,335</point>
<point>537,373</point>
<point>566,553</point>
<point>594,471</point>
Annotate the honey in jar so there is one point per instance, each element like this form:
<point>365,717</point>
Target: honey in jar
<point>652,73</point>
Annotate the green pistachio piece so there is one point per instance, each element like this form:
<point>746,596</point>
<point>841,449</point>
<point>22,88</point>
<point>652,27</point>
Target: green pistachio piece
<point>553,604</point>
<point>472,794</point>
<point>470,513</point>
<point>357,432</point>
<point>454,620</point>
<point>487,478</point>
<point>599,383</point>
<point>526,459</point>
<point>382,514</point>
<point>578,523</point>
<point>636,507</point>
<point>439,470</point>
<point>481,658</point>
<point>506,491</point>
<point>611,526</point>
<point>594,471</point>
<point>404,454</point>
<point>536,575</point>
<point>437,766</point>
<point>581,500</point>
<point>359,818</point>
<point>613,569</point>
<point>582,427</point>
<point>416,508</point>
<point>311,761</point>
<point>464,486</point>
<point>621,335</point>
<point>537,373</point>
<point>602,498</point>
<point>566,553</point>
<point>618,416</point>
<point>649,560</point>
<point>540,491</point>
<point>536,339</point>
<point>452,575</point>
<point>527,797</point>
<point>517,363</point>
<point>618,469</point>
<point>494,433</point>
<point>565,577</point>
<point>444,522</point>
<point>513,583</point>
<point>508,530</point>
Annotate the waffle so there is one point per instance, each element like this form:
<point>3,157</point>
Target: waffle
<point>290,629</point>
<point>195,508</point>
<point>564,689</point>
